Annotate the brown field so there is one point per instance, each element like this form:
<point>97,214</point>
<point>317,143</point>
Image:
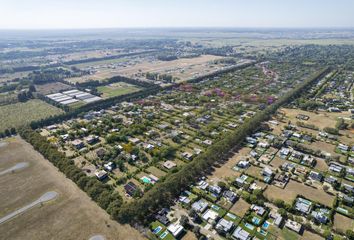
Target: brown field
<point>49,88</point>
<point>240,207</point>
<point>10,76</point>
<point>254,172</point>
<point>293,189</point>
<point>184,68</point>
<point>342,222</point>
<point>321,165</point>
<point>226,170</point>
<point>72,215</point>
<point>321,119</point>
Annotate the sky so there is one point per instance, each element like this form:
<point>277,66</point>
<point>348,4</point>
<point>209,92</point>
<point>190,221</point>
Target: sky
<point>72,14</point>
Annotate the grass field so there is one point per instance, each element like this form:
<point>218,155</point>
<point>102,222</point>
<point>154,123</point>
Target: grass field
<point>117,89</point>
<point>292,189</point>
<point>18,114</point>
<point>72,215</point>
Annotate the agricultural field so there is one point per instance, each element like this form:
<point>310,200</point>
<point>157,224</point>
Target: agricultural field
<point>71,209</point>
<point>181,69</point>
<point>117,89</point>
<point>19,114</point>
<point>50,88</point>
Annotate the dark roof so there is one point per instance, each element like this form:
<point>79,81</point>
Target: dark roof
<point>130,188</point>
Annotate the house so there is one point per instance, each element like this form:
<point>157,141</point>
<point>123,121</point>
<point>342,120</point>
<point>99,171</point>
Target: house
<point>78,144</point>
<point>284,152</point>
<point>175,229</point>
<point>333,109</point>
<point>202,185</point>
<point>263,144</point>
<point>133,140</point>
<point>303,205</point>
<point>316,176</point>
<point>161,216</point>
<point>267,172</point>
<point>210,215</point>
<point>335,168</point>
<point>91,139</point>
<point>215,189</point>
<point>342,147</point>
<point>331,180</point>
<point>169,164</point>
<point>200,206</point>
<point>101,175</point>
<point>187,155</point>
<point>230,196</point>
<point>319,217</point>
<point>250,140</point>
<point>292,225</point>
<point>308,160</point>
<point>241,234</point>
<point>109,166</point>
<point>130,188</point>
<point>207,142</point>
<point>278,219</point>
<point>258,209</point>
<point>243,164</point>
<point>224,226</point>
<point>348,188</point>
<point>240,181</point>
<point>347,200</point>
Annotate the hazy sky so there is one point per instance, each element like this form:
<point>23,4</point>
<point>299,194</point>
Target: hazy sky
<point>29,14</point>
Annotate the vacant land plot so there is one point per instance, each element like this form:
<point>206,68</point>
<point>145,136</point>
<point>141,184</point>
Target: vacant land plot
<point>19,114</point>
<point>117,89</point>
<point>342,222</point>
<point>321,119</point>
<point>226,169</point>
<point>240,207</point>
<point>72,215</point>
<point>50,88</point>
<point>183,68</point>
<point>293,189</point>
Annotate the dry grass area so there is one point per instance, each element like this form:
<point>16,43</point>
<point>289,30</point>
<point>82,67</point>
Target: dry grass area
<point>240,207</point>
<point>320,119</point>
<point>72,215</point>
<point>189,236</point>
<point>293,189</point>
<point>50,88</point>
<point>342,222</point>
<point>183,68</point>
<point>226,170</point>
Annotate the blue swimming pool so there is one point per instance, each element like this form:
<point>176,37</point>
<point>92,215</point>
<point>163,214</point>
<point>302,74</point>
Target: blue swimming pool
<point>265,225</point>
<point>163,235</point>
<point>264,233</point>
<point>157,230</point>
<point>249,226</point>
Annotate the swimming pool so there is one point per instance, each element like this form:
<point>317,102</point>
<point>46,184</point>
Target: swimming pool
<point>215,207</point>
<point>264,233</point>
<point>249,226</point>
<point>265,225</point>
<point>157,230</point>
<point>256,220</point>
<point>146,180</point>
<point>164,235</point>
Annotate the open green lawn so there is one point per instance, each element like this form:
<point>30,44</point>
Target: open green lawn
<point>19,114</point>
<point>117,89</point>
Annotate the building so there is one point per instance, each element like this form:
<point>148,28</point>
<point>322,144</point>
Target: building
<point>101,175</point>
<point>214,189</point>
<point>240,234</point>
<point>258,209</point>
<point>292,225</point>
<point>169,165</point>
<point>200,206</point>
<point>230,196</point>
<point>130,188</point>
<point>224,226</point>
<point>78,144</point>
<point>303,205</point>
<point>175,229</point>
<point>210,215</point>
